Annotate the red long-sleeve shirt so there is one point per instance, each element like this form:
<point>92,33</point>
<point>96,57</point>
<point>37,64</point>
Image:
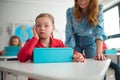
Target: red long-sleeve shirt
<point>26,52</point>
<point>104,46</point>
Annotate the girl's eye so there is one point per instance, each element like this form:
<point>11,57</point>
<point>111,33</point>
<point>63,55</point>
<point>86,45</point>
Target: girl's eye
<point>38,25</point>
<point>46,25</point>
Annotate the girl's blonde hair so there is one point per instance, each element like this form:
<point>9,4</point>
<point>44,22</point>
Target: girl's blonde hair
<point>93,10</point>
<point>45,15</point>
<point>15,37</point>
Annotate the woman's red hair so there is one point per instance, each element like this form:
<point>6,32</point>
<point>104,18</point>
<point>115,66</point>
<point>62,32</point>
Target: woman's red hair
<point>93,10</point>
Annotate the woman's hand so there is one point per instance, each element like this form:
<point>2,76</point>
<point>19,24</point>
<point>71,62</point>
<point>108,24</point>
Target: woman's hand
<point>35,32</point>
<point>100,57</point>
<point>78,57</point>
<point>99,50</point>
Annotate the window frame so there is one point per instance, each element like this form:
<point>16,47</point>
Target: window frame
<point>114,35</point>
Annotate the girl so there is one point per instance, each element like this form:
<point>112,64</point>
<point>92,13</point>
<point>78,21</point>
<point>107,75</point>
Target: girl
<point>43,29</point>
<point>14,41</point>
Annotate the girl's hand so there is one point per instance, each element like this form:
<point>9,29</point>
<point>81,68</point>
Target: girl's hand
<point>2,52</point>
<point>35,32</point>
<point>100,57</point>
<point>78,57</point>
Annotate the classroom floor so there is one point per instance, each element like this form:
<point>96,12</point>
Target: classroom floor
<point>110,74</point>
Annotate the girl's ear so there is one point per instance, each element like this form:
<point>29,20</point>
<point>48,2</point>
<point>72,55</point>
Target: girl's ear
<point>53,27</point>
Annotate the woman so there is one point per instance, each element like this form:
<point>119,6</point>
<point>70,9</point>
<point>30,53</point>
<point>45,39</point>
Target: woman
<point>84,29</point>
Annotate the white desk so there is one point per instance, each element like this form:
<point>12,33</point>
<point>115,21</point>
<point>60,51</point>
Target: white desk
<point>5,58</point>
<point>90,70</point>
<point>117,55</point>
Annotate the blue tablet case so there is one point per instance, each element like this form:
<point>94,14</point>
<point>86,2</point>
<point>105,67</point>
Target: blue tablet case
<point>52,55</point>
<point>110,51</point>
<point>11,50</point>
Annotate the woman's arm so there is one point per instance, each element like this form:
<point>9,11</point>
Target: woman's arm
<point>99,50</point>
<point>100,35</point>
<point>70,40</point>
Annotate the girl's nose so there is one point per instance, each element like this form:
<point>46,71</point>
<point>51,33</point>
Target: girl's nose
<point>42,27</point>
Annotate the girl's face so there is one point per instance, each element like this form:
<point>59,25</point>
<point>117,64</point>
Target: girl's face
<point>15,42</point>
<point>83,3</point>
<point>44,27</point>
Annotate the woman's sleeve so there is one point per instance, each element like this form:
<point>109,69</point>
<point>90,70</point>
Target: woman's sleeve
<point>99,30</point>
<point>70,40</point>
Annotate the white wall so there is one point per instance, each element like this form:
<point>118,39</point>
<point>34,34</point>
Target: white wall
<point>12,11</point>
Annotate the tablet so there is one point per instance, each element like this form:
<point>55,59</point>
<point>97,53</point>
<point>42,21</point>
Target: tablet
<point>11,50</point>
<point>50,55</point>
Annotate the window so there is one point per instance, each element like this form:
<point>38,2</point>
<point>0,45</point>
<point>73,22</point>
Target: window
<point>112,26</point>
<point>111,21</point>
